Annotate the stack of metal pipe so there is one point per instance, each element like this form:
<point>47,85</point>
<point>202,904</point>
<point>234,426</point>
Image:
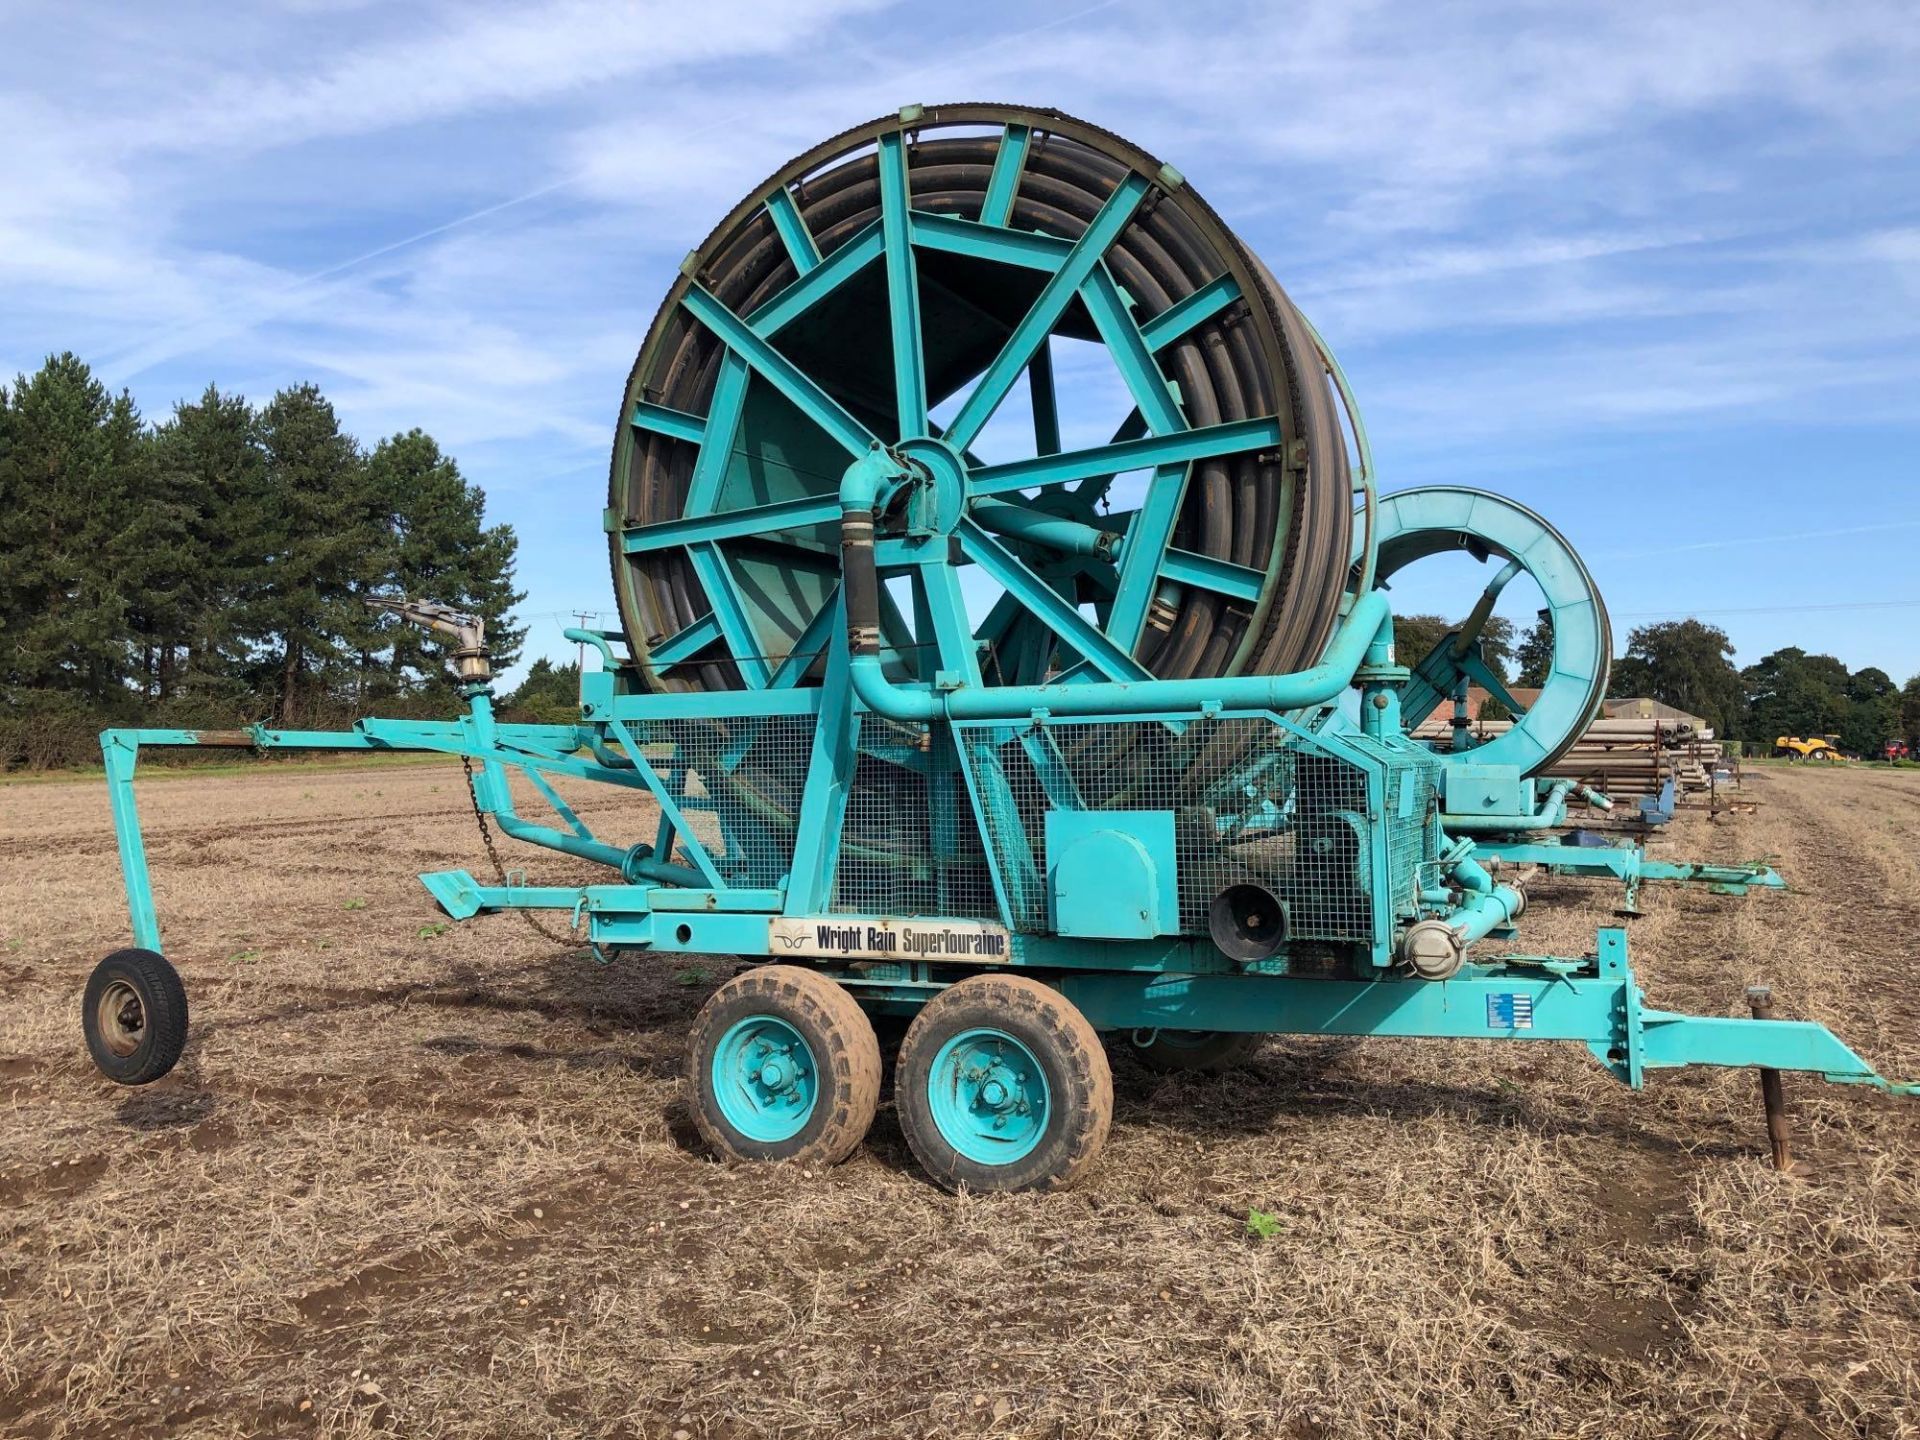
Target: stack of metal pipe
<point>1621,756</point>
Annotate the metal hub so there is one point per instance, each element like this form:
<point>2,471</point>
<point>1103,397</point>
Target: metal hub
<point>939,490</point>
<point>122,1018</point>
<point>765,1079</point>
<point>989,1096</point>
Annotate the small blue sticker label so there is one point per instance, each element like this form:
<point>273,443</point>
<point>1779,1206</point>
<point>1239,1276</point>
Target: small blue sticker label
<point>1508,1011</point>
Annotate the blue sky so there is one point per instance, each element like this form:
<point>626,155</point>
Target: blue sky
<point>1654,270</point>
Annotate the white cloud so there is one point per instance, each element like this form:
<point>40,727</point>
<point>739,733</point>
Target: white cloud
<point>461,59</point>
<point>1529,228</point>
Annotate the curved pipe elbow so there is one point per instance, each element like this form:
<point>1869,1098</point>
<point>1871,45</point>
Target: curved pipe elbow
<point>1369,623</point>
<point>1315,686</point>
<point>862,481</point>
<point>1469,874</point>
<point>883,697</point>
<point>1546,815</point>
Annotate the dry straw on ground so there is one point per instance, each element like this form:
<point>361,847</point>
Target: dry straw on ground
<point>439,1182</point>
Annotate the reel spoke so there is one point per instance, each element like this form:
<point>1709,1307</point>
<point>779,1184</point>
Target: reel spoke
<point>1046,402</point>
<point>1046,603</point>
<point>1147,541</point>
<point>813,286</point>
<point>663,421</point>
<point>1201,443</point>
<point>798,514</point>
<point>1052,303</point>
<point>1183,315</point>
<point>903,290</point>
<point>1131,353</point>
<point>779,372</point>
<point>793,230</point>
<point>1008,161</point>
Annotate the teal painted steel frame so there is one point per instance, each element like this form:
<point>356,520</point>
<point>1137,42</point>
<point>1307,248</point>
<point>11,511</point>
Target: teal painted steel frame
<point>1170,983</point>
<point>1597,1004</point>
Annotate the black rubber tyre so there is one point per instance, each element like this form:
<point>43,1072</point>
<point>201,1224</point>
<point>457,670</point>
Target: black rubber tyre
<point>1204,1052</point>
<point>1079,1083</point>
<point>844,1055</point>
<point>134,1016</point>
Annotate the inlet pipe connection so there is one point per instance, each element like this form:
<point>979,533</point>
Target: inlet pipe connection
<point>1436,949</point>
<point>1548,814</point>
<point>861,490</point>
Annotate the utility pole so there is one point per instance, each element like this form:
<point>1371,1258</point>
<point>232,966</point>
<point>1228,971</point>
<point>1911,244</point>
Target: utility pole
<point>580,648</point>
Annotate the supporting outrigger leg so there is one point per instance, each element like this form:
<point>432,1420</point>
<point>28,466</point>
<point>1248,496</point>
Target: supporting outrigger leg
<point>1773,1095</point>
<point>1629,865</point>
<point>1595,1000</point>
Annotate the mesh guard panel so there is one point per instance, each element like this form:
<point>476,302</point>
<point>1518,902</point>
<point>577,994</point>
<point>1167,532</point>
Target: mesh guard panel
<point>1253,801</point>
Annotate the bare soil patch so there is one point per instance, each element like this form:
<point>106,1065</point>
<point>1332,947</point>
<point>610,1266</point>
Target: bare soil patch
<point>431,1181</point>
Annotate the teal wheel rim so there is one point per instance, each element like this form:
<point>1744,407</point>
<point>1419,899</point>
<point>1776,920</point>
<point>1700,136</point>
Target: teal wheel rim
<point>989,1097</point>
<point>765,1079</point>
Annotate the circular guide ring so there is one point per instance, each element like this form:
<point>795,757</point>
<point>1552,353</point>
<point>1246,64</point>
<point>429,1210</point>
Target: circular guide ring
<point>1430,520</point>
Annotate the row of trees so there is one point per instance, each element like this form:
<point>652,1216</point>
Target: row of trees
<point>212,569</point>
<point>1689,664</point>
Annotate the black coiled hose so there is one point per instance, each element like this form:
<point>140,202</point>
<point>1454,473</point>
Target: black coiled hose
<point>1255,359</point>
<point>1286,512</point>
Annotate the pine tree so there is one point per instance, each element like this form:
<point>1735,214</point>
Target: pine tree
<point>441,550</point>
<point>213,569</point>
<point>70,534</point>
<point>325,546</point>
<point>10,502</point>
<point>208,460</point>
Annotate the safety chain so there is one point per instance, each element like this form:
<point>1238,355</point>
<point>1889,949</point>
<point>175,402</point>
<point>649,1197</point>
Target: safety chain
<point>538,927</point>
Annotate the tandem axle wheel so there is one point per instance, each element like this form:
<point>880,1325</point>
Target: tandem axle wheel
<point>1001,1082</point>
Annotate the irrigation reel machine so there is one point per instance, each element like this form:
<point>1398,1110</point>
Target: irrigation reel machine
<point>1031,748</point>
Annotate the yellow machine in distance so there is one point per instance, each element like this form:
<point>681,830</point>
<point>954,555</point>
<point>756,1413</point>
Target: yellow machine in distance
<point>1816,747</point>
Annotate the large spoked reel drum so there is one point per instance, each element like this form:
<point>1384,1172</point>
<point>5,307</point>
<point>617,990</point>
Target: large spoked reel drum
<point>936,265</point>
<point>1433,520</point>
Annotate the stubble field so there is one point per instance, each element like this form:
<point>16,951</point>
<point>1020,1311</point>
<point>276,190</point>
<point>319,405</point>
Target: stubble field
<point>433,1181</point>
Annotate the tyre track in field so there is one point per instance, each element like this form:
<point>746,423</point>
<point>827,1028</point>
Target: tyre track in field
<point>1871,927</point>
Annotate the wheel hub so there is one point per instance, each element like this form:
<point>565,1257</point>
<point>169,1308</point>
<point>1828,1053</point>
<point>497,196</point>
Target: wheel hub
<point>123,1019</point>
<point>777,1073</point>
<point>989,1097</point>
<point>765,1079</point>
